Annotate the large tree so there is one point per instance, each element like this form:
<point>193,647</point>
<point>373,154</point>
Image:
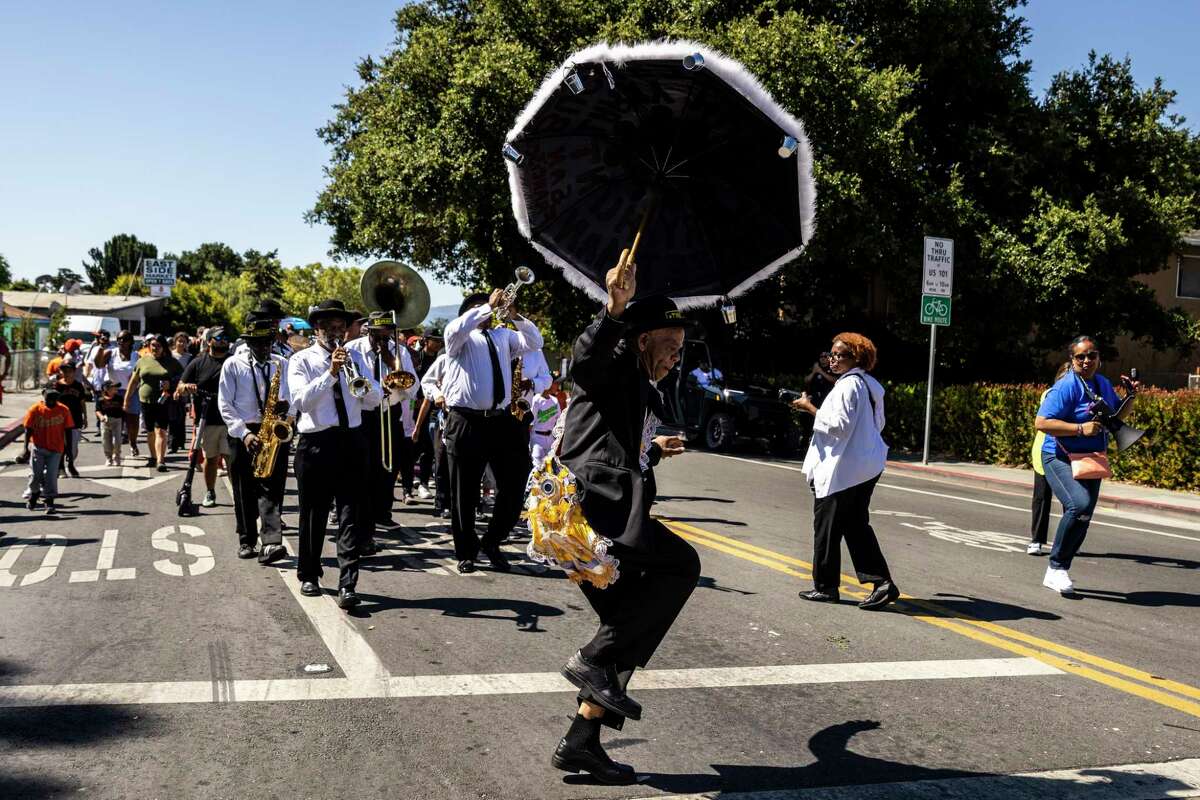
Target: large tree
<point>310,284</point>
<point>209,261</point>
<point>264,272</point>
<point>118,256</point>
<point>5,271</point>
<point>922,122</point>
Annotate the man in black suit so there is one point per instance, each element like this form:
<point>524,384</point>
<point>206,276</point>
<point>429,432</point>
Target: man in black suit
<point>610,446</point>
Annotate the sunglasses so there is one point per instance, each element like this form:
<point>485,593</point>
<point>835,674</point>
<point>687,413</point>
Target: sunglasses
<point>840,356</point>
<point>1091,355</point>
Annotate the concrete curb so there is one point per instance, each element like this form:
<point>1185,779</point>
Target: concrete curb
<point>1128,503</point>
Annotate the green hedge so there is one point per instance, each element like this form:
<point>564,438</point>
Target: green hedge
<point>993,424</point>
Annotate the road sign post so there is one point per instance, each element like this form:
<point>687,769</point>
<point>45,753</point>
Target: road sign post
<point>937,286</point>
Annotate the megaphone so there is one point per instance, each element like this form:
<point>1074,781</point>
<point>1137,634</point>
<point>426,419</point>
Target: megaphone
<point>1125,435</point>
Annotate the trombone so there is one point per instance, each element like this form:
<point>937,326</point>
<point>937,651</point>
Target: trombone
<point>399,289</point>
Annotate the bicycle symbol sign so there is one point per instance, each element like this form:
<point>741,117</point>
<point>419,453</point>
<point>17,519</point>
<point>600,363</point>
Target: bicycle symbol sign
<point>935,310</point>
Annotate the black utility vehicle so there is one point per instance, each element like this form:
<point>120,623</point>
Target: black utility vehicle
<point>720,413</point>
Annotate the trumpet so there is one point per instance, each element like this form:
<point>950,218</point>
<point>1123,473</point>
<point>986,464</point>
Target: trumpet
<point>359,386</point>
<point>524,277</point>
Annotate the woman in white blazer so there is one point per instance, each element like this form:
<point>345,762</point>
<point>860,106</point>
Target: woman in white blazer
<point>845,458</point>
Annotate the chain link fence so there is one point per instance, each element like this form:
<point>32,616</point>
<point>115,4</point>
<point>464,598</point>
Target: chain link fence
<point>27,369</point>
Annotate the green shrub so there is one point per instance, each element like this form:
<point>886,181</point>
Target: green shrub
<point>993,424</point>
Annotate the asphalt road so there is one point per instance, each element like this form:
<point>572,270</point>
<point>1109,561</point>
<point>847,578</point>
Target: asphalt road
<point>140,658</point>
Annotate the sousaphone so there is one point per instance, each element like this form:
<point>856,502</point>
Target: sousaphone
<point>392,286</point>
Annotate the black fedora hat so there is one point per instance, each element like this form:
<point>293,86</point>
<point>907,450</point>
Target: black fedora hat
<point>268,309</point>
<point>330,309</point>
<point>472,300</point>
<point>653,313</point>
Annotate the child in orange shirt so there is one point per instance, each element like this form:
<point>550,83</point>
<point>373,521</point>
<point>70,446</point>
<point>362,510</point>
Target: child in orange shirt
<point>46,426</point>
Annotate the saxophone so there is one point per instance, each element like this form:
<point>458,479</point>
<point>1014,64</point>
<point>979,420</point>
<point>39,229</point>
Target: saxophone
<point>519,405</point>
<point>274,431</point>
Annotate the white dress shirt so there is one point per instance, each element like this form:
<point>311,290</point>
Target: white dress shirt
<point>242,389</point>
<point>311,388</point>
<point>846,448</point>
<point>534,368</point>
<point>431,381</point>
<point>468,379</point>
<point>377,369</point>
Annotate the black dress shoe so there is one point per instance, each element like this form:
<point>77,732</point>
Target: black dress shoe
<point>386,522</point>
<point>818,596</point>
<point>884,593</point>
<point>246,551</point>
<point>369,549</point>
<point>597,764</point>
<point>465,566</point>
<point>599,684</point>
<point>74,472</point>
<point>310,589</point>
<point>347,599</point>
<point>271,553</point>
<point>497,559</point>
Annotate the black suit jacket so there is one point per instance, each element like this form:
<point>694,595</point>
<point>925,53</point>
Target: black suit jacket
<point>603,434</point>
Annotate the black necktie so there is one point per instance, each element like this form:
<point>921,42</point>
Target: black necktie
<point>339,403</point>
<point>497,378</point>
<point>266,371</point>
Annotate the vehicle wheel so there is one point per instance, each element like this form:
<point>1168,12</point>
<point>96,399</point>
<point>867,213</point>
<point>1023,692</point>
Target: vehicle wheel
<point>719,432</point>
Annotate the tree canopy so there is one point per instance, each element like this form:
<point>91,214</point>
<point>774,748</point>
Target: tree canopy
<point>1055,203</point>
<point>119,255</point>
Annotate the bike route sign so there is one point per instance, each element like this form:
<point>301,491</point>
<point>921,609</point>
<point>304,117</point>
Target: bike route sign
<point>935,310</point>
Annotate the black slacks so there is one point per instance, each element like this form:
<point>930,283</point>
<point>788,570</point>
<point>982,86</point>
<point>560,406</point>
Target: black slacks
<point>846,515</point>
<point>473,442</point>
<point>1042,499</point>
<point>637,611</point>
<point>254,498</point>
<point>330,466</point>
<point>441,495</point>
<point>381,494</point>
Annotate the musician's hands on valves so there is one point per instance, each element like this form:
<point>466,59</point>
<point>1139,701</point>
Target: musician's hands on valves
<point>252,442</point>
<point>337,360</point>
<point>496,299</point>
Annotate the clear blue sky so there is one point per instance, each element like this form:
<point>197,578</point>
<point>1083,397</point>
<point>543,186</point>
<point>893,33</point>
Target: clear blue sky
<point>191,122</point>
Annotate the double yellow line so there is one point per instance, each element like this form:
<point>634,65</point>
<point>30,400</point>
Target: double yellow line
<point>1068,659</point>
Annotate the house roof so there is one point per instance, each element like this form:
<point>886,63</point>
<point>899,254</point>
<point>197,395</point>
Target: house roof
<point>81,303</point>
<point>12,312</point>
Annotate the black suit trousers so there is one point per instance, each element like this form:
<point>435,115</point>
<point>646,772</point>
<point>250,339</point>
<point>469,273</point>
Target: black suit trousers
<point>846,515</point>
<point>330,467</point>
<point>473,443</point>
<point>1042,499</point>
<point>255,499</point>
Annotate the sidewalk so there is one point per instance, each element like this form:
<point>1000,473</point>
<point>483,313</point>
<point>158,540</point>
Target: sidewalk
<point>1113,494</point>
<point>12,411</point>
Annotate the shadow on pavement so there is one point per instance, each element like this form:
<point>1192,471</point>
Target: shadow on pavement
<point>522,612</point>
<point>706,582</point>
<point>954,605</point>
<point>1147,599</point>
<point>837,765</point>
<point>57,729</point>
<point>8,541</point>
<point>674,498</point>
<point>717,520</point>
<point>1146,559</point>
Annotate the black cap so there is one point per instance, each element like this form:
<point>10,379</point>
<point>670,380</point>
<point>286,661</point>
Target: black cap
<point>261,329</point>
<point>330,309</point>
<point>379,319</point>
<point>473,300</point>
<point>653,313</point>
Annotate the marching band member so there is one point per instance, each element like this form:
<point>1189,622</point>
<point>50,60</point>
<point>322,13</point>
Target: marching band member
<point>480,429</point>
<point>535,374</point>
<point>610,446</point>
<point>377,349</point>
<point>330,456</point>
<point>429,347</point>
<point>242,397</point>
<point>435,401</point>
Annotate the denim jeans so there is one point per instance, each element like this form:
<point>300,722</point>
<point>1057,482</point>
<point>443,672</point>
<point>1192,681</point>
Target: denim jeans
<point>1078,499</point>
<point>43,474</point>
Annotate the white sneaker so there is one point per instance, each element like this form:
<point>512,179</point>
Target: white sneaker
<point>1034,549</point>
<point>1058,580</point>
<point>422,492</point>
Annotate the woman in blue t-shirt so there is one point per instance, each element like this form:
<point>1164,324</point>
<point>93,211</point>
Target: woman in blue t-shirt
<point>1066,419</point>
